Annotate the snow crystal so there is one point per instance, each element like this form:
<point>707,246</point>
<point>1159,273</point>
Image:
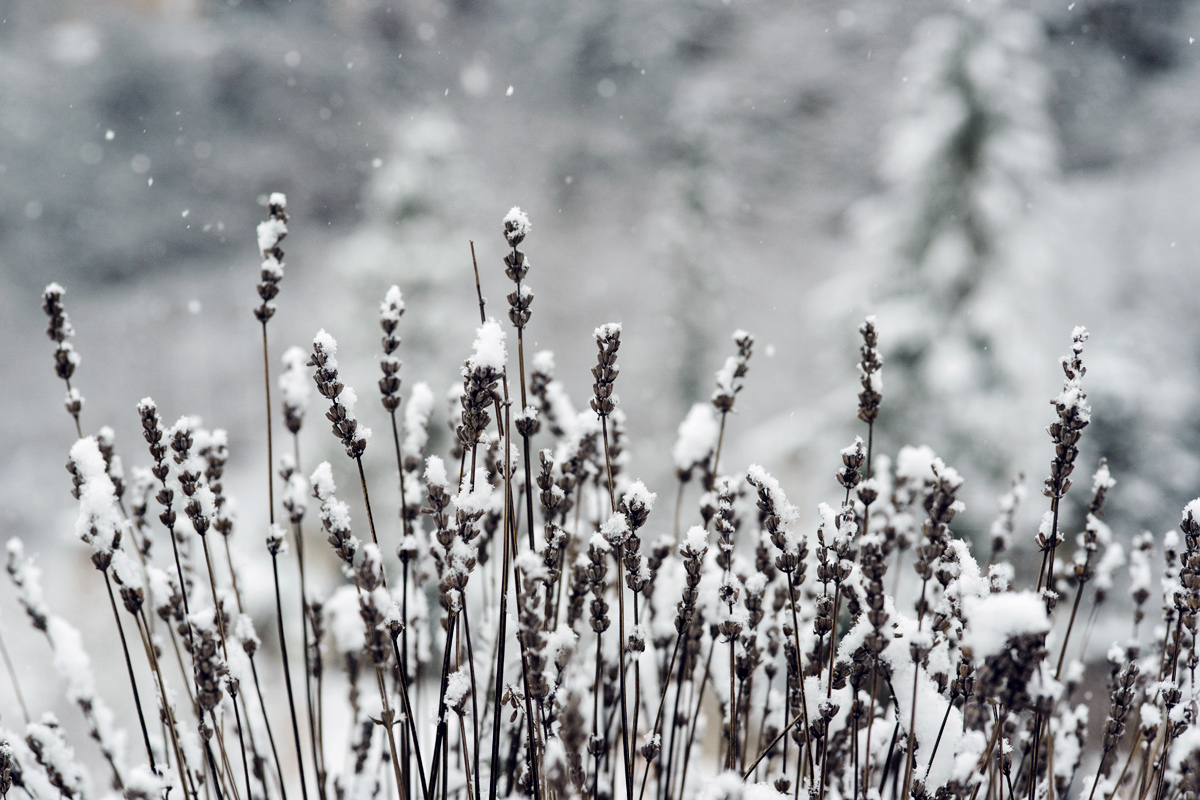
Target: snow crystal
<point>345,624</point>
<point>725,376</point>
<point>560,641</point>
<point>787,513</point>
<point>695,541</point>
<point>295,493</point>
<point>277,199</point>
<point>270,232</point>
<point>915,463</point>
<point>517,218</point>
<point>607,331</point>
<point>337,514</point>
<point>71,660</point>
<point>1151,715</point>
<point>416,419</point>
<point>637,493</point>
<point>967,754</point>
<point>993,620</point>
<point>143,782</point>
<point>458,685</point>
<point>726,786</point>
<point>697,437</point>
<point>127,571</point>
<point>293,382</point>
<point>159,584</point>
<point>322,481</point>
<point>1072,397</point>
<point>99,520</point>
<point>1139,570</point>
<point>543,362</point>
<point>1112,560</point>
<point>615,529</point>
<point>392,306</point>
<point>1103,479</point>
<point>277,537</point>
<point>36,783</point>
<point>243,630</point>
<point>470,501</point>
<point>54,752</point>
<point>1184,745</point>
<point>599,542</point>
<point>208,501</point>
<point>489,348</point>
<point>531,564</point>
<point>435,472</point>
<point>349,399</point>
<point>328,346</point>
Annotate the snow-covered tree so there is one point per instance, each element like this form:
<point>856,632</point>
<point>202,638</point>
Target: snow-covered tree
<point>965,161</point>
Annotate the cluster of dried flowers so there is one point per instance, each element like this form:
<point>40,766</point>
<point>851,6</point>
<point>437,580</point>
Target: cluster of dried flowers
<point>571,642</point>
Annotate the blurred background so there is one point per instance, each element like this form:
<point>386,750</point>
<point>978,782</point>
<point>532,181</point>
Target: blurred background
<point>983,176</point>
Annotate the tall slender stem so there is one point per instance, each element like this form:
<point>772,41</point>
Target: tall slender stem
<point>270,438</point>
<point>137,699</point>
<point>270,734</point>
<point>287,677</point>
<point>12,675</point>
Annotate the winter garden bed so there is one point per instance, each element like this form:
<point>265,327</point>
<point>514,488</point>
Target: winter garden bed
<point>548,627</point>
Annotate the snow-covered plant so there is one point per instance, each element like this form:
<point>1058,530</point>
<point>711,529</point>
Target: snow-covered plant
<point>585,647</point>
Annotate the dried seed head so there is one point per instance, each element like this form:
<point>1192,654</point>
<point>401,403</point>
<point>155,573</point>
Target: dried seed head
<point>66,359</point>
<point>870,365</point>
<point>294,388</point>
<point>481,373</point>
<point>1074,414</point>
<point>516,227</point>
<point>853,458</point>
<point>342,398</point>
<point>731,376</point>
<point>276,541</point>
<point>390,311</point>
<point>270,233</point>
<point>608,340</point>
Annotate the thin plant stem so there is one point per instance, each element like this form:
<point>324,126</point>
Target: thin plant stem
<point>137,699</point>
<point>270,437</point>
<point>474,700</point>
<point>691,738</point>
<point>270,734</point>
<point>799,669</point>
<point>620,587</point>
<point>412,728</point>
<point>764,751</point>
<point>439,740</point>
<point>362,478</point>
<point>287,677</point>
<point>870,724</point>
<point>185,775</point>
<point>12,676</point>
<point>661,704</point>
<point>228,774</point>
<point>678,508</point>
<point>387,716</point>
<point>1067,636</point>
<point>217,612</point>
<point>495,773</point>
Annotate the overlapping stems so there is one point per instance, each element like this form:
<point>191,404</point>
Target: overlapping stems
<point>959,684</point>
